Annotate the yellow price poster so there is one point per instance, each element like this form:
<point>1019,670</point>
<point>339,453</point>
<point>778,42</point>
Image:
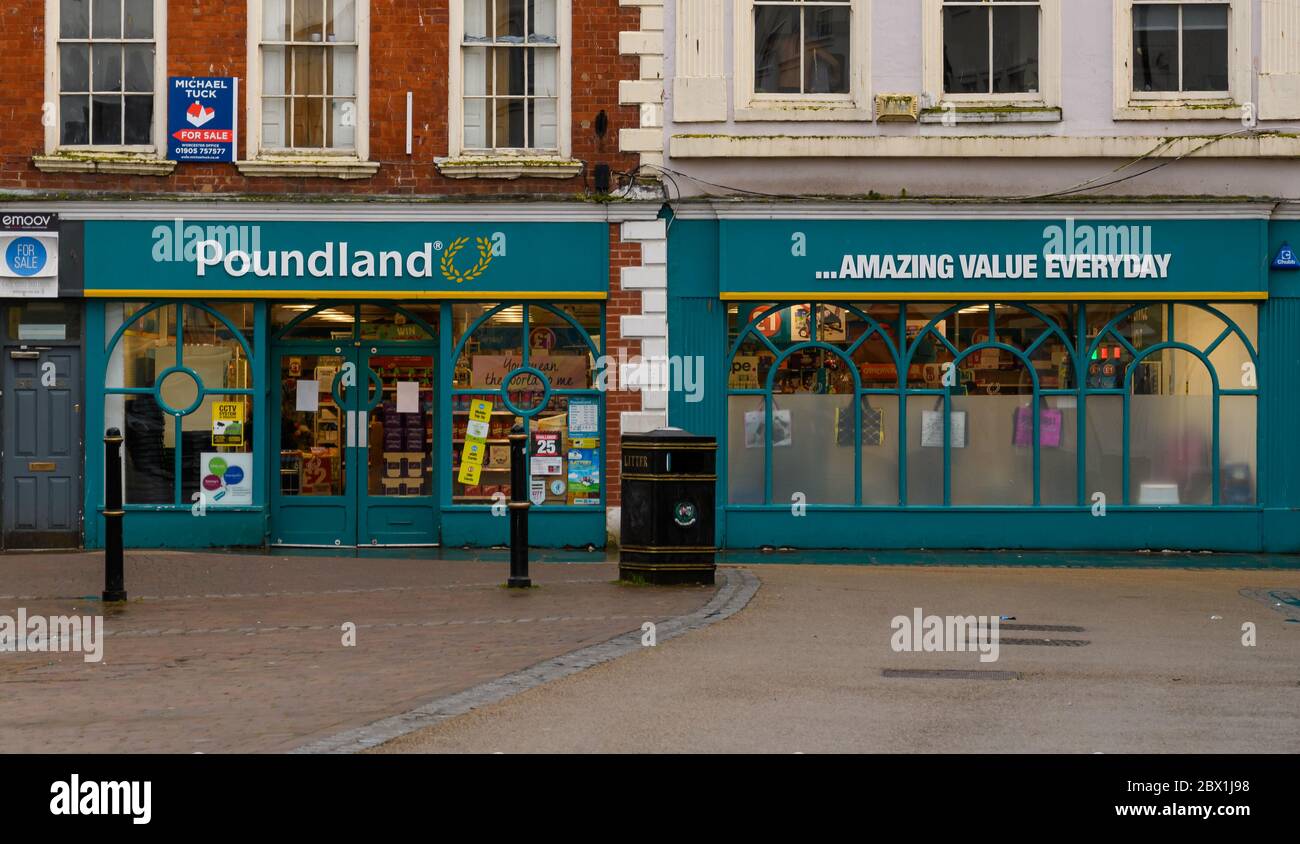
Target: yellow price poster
<point>228,423</point>
<point>469,473</point>
<point>471,456</point>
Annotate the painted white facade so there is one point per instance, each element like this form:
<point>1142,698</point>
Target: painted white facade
<point>1083,123</point>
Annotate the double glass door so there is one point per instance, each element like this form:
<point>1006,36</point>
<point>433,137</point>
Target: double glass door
<point>355,429</point>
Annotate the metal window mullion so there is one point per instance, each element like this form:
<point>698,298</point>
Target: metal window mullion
<point>901,365</point>
<point>947,445</point>
<point>990,90</point>
<point>1214,440</point>
<point>1081,415</point>
<point>1180,49</point>
<point>803,62</point>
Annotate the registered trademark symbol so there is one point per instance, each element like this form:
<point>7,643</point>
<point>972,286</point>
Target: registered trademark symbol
<point>437,245</point>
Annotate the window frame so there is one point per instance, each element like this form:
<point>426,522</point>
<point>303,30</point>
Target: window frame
<point>456,90</point>
<point>854,105</point>
<point>158,132</point>
<point>1079,348</point>
<point>254,149</point>
<point>1049,62</point>
<point>1184,105</point>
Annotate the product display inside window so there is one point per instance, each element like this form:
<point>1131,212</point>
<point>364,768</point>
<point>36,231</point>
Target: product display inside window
<point>998,398</point>
<point>182,394</point>
<point>548,385</point>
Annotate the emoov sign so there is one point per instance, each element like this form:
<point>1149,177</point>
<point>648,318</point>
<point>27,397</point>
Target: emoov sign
<point>29,255</point>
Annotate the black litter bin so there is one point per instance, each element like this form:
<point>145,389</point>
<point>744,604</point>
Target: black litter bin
<point>667,523</point>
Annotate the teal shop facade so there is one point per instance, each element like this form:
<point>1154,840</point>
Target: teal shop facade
<point>304,378</point>
<point>1114,376</point>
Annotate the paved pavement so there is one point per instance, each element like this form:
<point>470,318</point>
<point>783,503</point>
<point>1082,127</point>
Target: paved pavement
<point>226,652</point>
<point>1157,664</point>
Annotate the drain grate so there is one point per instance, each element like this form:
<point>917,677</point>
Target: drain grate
<point>948,674</point>
<point>1058,643</point>
<point>1043,628</point>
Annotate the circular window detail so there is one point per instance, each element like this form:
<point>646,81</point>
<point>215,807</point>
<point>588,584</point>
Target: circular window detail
<point>526,390</point>
<point>179,391</point>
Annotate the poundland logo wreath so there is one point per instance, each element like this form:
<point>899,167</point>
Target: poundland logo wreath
<point>336,259</point>
<point>448,262</point>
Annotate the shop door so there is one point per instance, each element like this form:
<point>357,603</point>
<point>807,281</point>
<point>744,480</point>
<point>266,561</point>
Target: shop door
<point>354,425</point>
<point>42,447</point>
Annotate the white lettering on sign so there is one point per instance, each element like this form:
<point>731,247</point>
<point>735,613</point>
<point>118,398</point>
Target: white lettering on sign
<point>333,259</point>
<point>1070,251</point>
<point>1000,267</point>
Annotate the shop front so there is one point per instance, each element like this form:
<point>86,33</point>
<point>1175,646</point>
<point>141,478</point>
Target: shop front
<point>40,382</point>
<point>976,380</point>
<point>311,383</point>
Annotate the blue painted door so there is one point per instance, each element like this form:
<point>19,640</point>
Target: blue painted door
<point>42,447</point>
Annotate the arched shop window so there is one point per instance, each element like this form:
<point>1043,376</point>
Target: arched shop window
<point>536,363</point>
<point>989,404</point>
<point>171,367</point>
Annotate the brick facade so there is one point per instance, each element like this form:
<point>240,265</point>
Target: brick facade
<point>408,52</point>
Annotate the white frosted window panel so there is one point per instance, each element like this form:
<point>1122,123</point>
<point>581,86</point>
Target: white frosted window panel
<point>476,124</point>
<point>307,396</point>
<point>272,70</point>
<point>544,124</point>
<point>273,18</point>
<point>802,466</point>
<point>476,70</point>
<point>344,117</point>
<point>542,26</point>
<point>345,72</point>
<point>544,67</point>
<point>273,123</point>
<point>476,15</point>
<point>343,21</point>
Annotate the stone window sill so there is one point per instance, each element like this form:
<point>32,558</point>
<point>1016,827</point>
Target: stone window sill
<point>324,167</point>
<point>808,111</point>
<point>993,114</point>
<point>508,167</point>
<point>1179,110</point>
<point>134,164</point>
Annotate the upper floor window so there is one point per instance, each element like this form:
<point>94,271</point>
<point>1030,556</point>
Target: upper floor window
<point>107,70</point>
<point>991,47</point>
<point>1187,60</point>
<point>802,46</point>
<point>1180,47</point>
<point>510,52</point>
<point>309,59</point>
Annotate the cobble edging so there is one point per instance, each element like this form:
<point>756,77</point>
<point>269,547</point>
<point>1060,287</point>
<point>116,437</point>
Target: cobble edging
<point>738,587</point>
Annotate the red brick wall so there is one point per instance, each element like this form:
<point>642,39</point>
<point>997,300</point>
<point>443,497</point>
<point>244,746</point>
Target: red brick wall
<point>408,52</point>
<point>618,401</point>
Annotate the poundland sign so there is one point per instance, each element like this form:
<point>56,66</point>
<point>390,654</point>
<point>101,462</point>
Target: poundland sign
<point>469,259</point>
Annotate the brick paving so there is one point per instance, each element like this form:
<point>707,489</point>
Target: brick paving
<point>241,653</point>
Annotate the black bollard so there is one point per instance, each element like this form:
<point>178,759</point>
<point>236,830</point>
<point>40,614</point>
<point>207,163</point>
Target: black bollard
<point>519,505</point>
<point>114,578</point>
